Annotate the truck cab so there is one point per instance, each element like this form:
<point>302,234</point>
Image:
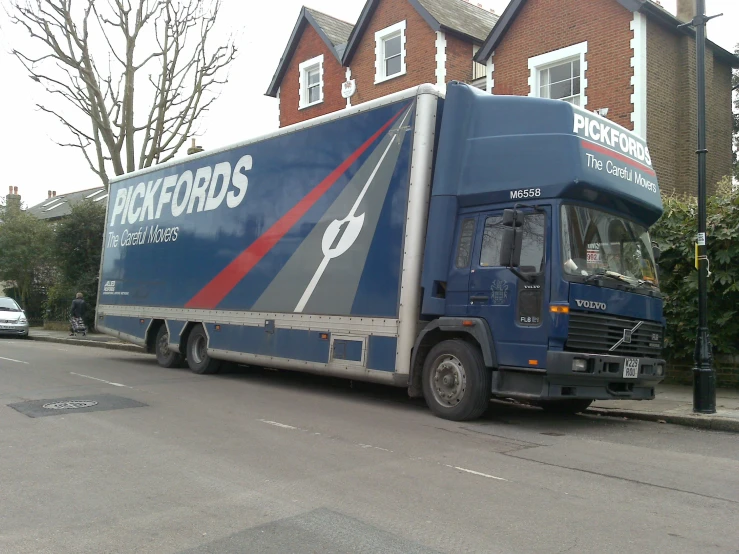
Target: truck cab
<point>538,254</point>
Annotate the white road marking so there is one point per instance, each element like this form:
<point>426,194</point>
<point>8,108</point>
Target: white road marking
<point>102,380</point>
<point>281,425</point>
<point>478,473</point>
<point>12,360</point>
<point>375,447</point>
<point>327,258</point>
<point>292,428</point>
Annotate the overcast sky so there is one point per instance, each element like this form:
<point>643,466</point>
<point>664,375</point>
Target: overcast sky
<point>33,163</point>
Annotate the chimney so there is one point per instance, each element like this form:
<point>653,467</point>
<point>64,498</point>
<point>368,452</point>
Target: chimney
<point>685,10</point>
<point>13,200</point>
<point>53,193</point>
<point>49,195</point>
<point>194,149</point>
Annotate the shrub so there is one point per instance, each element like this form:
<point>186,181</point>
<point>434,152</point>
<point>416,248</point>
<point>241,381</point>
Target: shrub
<point>675,233</point>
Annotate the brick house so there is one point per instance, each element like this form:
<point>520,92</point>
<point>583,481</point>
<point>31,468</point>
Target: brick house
<point>626,59</point>
<point>308,79</point>
<point>395,45</point>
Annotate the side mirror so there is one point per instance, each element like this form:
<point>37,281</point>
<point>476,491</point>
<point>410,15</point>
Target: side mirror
<point>512,218</point>
<point>512,240</point>
<point>511,246</point>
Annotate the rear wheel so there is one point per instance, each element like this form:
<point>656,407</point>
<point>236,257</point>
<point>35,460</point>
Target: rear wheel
<point>197,353</point>
<point>566,406</point>
<point>165,356</point>
<point>456,383</point>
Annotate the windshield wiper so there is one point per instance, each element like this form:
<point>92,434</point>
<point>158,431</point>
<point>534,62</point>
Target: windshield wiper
<point>612,275</point>
<point>643,282</point>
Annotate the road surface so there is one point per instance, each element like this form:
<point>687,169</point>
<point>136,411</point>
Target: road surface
<point>263,461</point>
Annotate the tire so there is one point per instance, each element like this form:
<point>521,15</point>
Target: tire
<point>165,357</point>
<point>197,355</point>
<point>456,383</point>
<point>567,406</point>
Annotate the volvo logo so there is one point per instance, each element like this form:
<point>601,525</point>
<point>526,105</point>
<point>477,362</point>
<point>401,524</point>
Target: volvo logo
<point>628,335</point>
<point>590,304</point>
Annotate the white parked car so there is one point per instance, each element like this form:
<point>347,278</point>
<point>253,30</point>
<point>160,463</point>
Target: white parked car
<point>13,319</point>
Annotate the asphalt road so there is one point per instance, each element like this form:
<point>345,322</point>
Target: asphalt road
<point>264,461</point>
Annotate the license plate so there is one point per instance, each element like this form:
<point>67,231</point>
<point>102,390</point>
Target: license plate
<point>631,368</point>
<point>7,327</point>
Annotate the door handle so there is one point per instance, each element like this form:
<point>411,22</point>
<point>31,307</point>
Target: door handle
<point>479,298</point>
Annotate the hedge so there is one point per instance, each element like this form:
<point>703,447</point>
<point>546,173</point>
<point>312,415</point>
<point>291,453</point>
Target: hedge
<point>675,234</point>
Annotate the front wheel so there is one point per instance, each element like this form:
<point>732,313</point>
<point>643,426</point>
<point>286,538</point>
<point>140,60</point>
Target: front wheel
<point>456,383</point>
<point>567,406</point>
<point>166,357</point>
<point>197,353</point>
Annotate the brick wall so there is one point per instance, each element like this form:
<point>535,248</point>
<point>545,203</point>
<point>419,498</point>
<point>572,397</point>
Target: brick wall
<point>420,52</point>
<point>547,25</point>
<point>458,59</point>
<point>718,122</point>
<point>664,95</point>
<point>672,112</point>
<point>310,46</point>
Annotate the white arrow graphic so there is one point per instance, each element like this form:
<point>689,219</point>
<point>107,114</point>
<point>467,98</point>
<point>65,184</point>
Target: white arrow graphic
<point>341,234</point>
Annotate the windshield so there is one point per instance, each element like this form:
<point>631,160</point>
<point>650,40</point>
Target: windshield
<point>596,242</point>
<point>8,305</point>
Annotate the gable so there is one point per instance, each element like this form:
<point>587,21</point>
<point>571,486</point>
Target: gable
<point>647,7</point>
<point>454,16</point>
<point>333,32</point>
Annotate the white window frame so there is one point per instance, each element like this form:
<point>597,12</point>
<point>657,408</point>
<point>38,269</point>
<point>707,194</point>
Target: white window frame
<point>304,68</point>
<point>380,37</point>
<point>538,63</point>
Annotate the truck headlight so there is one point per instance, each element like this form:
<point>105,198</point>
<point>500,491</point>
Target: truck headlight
<point>660,369</point>
<point>581,366</point>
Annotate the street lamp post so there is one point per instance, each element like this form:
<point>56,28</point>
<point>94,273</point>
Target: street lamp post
<point>704,376</point>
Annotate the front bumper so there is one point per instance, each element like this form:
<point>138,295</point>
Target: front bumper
<point>14,329</point>
<point>604,378</point>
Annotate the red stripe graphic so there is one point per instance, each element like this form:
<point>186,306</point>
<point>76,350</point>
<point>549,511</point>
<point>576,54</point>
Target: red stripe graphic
<point>222,284</point>
<point>608,152</point>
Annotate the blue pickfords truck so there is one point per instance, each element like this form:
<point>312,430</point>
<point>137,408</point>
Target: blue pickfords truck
<point>460,244</point>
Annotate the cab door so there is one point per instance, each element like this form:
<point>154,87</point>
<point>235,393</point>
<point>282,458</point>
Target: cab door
<point>514,308</point>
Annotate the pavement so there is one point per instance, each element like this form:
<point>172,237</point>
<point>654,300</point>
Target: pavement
<point>105,451</point>
<point>672,404</point>
<point>94,340</point>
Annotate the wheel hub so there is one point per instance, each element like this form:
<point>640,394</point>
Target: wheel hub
<point>199,350</point>
<point>164,345</point>
<point>449,381</point>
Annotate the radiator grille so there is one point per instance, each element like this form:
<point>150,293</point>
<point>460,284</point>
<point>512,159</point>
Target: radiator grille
<point>598,333</point>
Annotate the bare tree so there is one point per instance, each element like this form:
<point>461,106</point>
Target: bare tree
<point>112,59</point>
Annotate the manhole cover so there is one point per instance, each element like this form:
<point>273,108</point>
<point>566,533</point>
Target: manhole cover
<point>60,406</point>
<point>70,405</point>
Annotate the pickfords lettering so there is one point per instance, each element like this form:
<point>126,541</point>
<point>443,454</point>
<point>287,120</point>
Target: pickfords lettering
<point>205,190</point>
<point>601,131</point>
